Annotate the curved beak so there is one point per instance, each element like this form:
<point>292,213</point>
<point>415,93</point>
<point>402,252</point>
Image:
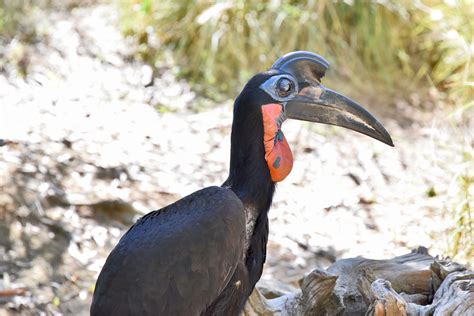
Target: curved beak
<point>316,103</point>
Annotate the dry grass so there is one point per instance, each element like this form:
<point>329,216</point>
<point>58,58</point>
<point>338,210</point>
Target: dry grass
<point>392,44</point>
<point>461,200</point>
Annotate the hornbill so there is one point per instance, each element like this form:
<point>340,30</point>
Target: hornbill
<point>203,254</point>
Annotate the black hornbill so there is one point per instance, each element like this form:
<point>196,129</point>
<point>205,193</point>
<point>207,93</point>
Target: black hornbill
<point>203,254</point>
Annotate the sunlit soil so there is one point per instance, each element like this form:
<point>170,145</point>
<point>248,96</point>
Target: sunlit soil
<point>86,152</point>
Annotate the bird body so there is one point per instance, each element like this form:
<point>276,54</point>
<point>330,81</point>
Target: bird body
<point>155,269</point>
<point>203,254</point>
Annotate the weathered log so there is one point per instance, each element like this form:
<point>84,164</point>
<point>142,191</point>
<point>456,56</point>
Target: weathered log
<point>412,284</point>
<point>387,301</point>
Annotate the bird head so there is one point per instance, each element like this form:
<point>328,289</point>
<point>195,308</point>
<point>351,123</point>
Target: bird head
<point>292,89</point>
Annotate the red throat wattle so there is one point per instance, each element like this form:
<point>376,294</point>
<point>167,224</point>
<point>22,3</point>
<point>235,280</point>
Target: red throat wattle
<point>277,151</point>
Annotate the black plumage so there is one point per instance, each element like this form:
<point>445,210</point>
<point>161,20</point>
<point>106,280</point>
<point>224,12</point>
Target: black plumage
<point>189,258</point>
<point>185,250</point>
<point>203,254</point>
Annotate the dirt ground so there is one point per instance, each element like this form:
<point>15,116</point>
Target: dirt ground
<point>84,152</point>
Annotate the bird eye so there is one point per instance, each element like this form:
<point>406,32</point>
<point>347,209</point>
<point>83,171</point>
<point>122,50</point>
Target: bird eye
<point>284,87</point>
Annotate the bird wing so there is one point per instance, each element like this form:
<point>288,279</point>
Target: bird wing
<point>174,261</point>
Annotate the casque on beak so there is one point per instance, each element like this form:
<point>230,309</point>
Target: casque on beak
<point>315,103</point>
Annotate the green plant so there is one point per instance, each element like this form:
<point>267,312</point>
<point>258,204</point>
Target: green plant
<point>15,19</point>
<point>21,23</point>
<point>462,236</point>
<point>217,45</point>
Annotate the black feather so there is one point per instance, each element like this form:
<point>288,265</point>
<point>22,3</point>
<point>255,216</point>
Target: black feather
<point>189,258</point>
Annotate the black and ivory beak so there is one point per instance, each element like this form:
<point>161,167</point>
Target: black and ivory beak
<point>315,103</point>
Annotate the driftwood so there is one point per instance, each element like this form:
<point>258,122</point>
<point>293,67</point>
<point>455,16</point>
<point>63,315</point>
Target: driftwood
<point>412,284</point>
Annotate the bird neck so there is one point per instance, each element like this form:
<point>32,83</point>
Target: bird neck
<point>249,177</point>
